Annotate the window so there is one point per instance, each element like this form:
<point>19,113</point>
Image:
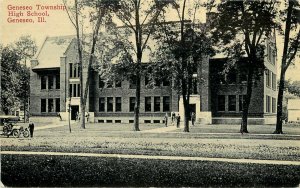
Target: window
<point>57,105</point>
<point>101,104</point>
<point>101,83</point>
<point>273,81</point>
<point>74,90</point>
<point>132,84</point>
<point>157,82</point>
<point>57,82</point>
<point>78,90</point>
<point>147,80</point>
<point>243,76</point>
<point>110,104</point>
<point>71,70</point>
<point>147,104</point>
<point>43,82</point>
<point>241,102</point>
<point>118,104</point>
<point>166,82</point>
<point>231,103</point>
<point>75,70</point>
<point>268,80</point>
<point>231,76</point>
<point>166,103</point>
<point>268,104</point>
<point>194,86</point>
<point>109,84</point>
<point>50,82</point>
<point>269,52</point>
<point>43,105</point>
<point>50,105</point>
<point>156,104</point>
<point>221,103</point>
<point>273,105</point>
<point>118,83</point>
<point>131,104</point>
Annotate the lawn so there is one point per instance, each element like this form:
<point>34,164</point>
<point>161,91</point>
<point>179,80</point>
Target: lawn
<point>113,138</point>
<point>21,170</point>
<point>39,171</point>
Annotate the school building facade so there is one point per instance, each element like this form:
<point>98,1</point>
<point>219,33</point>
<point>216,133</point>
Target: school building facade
<point>55,86</point>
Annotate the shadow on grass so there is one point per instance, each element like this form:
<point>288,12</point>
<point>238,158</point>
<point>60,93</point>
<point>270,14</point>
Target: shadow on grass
<point>22,170</point>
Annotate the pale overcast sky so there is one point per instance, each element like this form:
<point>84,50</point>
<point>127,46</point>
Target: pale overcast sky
<point>58,24</point>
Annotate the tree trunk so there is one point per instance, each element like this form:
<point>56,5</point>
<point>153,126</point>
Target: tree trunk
<point>279,104</point>
<point>278,129</point>
<point>137,101</point>
<point>186,114</point>
<point>244,124</point>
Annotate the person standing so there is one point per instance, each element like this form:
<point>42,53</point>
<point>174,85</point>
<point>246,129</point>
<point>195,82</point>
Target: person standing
<point>31,129</point>
<point>193,117</point>
<point>166,120</point>
<point>178,121</point>
<point>173,117</point>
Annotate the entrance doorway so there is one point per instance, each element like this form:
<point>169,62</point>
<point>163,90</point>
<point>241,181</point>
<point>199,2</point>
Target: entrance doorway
<point>192,109</point>
<point>74,110</point>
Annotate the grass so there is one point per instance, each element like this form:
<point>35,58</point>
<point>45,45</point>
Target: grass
<point>18,170</point>
<point>22,170</point>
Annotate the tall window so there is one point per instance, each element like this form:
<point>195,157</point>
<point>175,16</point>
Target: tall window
<point>268,80</point>
<point>43,105</point>
<point>231,76</point>
<point>57,105</point>
<point>156,104</point>
<point>273,105</point>
<point>131,104</point>
<point>101,83</point>
<point>132,84</point>
<point>157,82</point>
<point>43,82</point>
<point>147,104</point>
<point>221,103</point>
<point>71,70</point>
<point>231,103</point>
<point>110,104</point>
<point>273,81</point>
<point>166,82</point>
<point>118,83</point>
<point>166,103</point>
<point>101,104</point>
<point>70,90</point>
<point>57,81</point>
<point>118,104</point>
<point>50,82</point>
<point>50,105</point>
<point>268,104</point>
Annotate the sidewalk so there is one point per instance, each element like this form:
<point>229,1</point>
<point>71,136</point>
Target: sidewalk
<point>53,125</point>
<point>170,128</point>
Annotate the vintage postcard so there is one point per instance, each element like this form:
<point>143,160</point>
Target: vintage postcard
<point>150,93</point>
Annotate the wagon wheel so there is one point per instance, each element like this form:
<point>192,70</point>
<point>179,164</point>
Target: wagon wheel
<point>15,133</point>
<point>26,133</point>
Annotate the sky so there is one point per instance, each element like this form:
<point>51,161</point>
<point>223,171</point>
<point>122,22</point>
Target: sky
<point>58,24</point>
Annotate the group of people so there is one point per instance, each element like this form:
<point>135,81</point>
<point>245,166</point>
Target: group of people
<point>87,116</point>
<point>177,119</point>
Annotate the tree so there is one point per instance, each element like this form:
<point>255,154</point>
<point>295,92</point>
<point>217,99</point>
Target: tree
<point>243,26</point>
<point>139,19</point>
<point>98,15</point>
<point>10,78</point>
<point>184,43</point>
<point>290,49</point>
<point>26,49</point>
